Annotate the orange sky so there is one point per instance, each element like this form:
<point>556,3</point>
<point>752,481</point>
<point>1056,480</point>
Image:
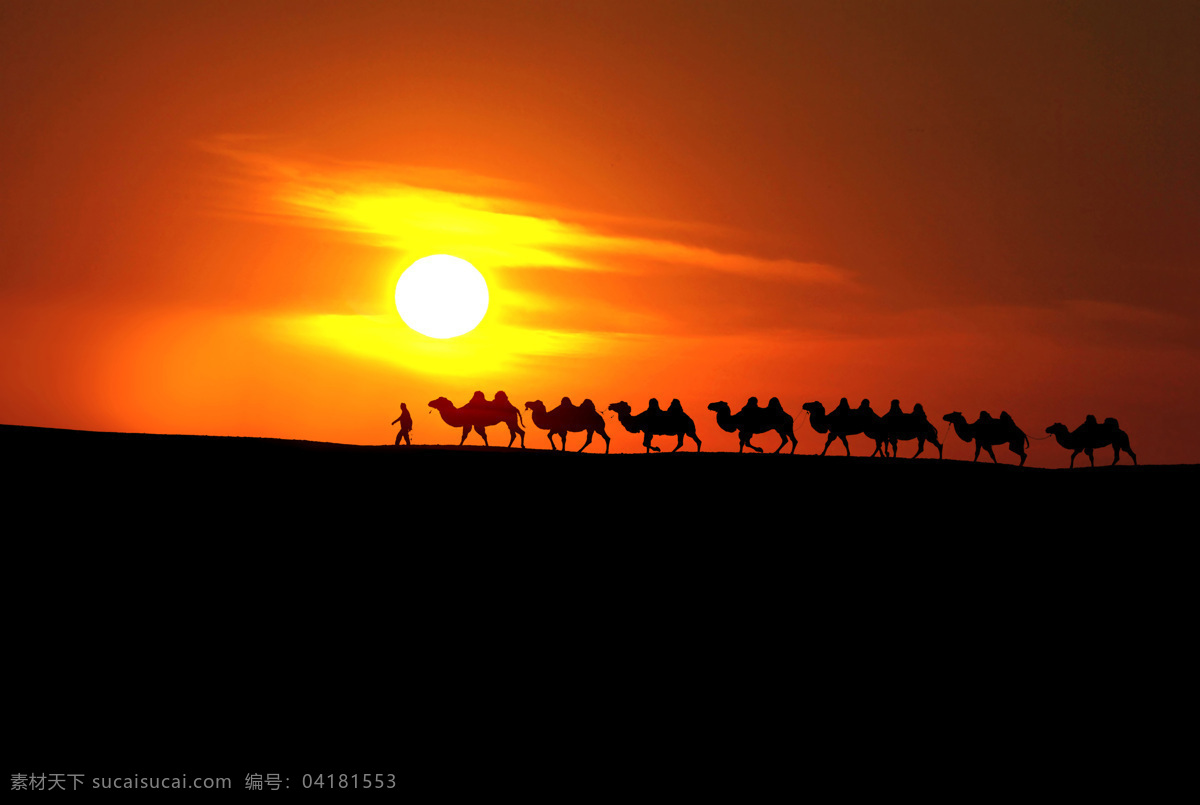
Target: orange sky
<point>985,205</point>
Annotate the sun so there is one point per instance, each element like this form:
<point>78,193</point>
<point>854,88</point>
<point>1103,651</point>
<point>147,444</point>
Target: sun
<point>442,296</point>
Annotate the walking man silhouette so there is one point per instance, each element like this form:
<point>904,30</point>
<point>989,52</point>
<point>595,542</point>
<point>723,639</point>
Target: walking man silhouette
<point>405,420</point>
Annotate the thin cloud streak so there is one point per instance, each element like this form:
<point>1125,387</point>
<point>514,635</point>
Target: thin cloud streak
<point>482,219</point>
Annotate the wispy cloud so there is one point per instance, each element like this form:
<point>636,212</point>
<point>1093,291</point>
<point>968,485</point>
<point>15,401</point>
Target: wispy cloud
<point>422,211</point>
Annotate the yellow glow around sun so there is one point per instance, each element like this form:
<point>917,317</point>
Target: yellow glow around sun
<point>442,296</point>
<point>382,338</point>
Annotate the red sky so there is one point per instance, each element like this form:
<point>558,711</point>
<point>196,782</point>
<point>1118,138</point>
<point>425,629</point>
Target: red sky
<point>988,205</point>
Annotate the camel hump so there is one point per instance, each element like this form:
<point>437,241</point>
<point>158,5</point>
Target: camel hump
<point>1111,422</point>
<point>588,406</point>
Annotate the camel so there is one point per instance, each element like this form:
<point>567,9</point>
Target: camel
<point>752,419</point>
<point>656,422</point>
<point>1091,435</point>
<point>901,426</point>
<point>986,432</point>
<point>844,421</point>
<point>479,417</point>
<point>568,417</point>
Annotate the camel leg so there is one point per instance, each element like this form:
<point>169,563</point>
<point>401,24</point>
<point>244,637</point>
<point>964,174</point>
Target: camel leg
<point>938,445</point>
<point>676,450</point>
<point>978,447</point>
<point>586,443</point>
<point>920,447</point>
<point>466,430</point>
<point>649,447</point>
<point>1091,458</point>
<point>550,436</point>
<point>1019,449</point>
<point>696,439</point>
<point>1077,452</point>
<point>991,453</point>
<point>479,429</point>
<point>606,440</point>
<point>563,436</point>
<point>828,442</point>
<point>792,436</point>
<point>846,444</point>
<point>750,444</point>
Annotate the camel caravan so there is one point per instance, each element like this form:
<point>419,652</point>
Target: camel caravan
<point>886,430</point>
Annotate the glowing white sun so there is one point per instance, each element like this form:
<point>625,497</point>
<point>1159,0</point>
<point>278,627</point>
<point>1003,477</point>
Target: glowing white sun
<point>442,296</point>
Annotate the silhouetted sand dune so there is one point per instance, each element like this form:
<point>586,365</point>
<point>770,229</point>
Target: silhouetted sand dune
<point>154,480</point>
<point>178,583</point>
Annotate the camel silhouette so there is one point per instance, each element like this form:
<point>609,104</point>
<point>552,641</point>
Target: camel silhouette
<point>844,421</point>
<point>656,422</point>
<point>752,419</point>
<point>568,417</point>
<point>1091,435</point>
<point>478,417</point>
<point>987,432</point>
<point>899,426</point>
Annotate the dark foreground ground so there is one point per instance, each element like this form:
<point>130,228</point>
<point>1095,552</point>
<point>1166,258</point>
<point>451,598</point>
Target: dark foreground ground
<point>226,605</point>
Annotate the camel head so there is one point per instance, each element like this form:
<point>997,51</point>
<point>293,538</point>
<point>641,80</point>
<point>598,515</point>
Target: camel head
<point>814,408</point>
<point>719,407</point>
<point>440,404</point>
<point>1057,429</point>
<point>536,406</point>
<point>622,408</point>
<point>954,416</point>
